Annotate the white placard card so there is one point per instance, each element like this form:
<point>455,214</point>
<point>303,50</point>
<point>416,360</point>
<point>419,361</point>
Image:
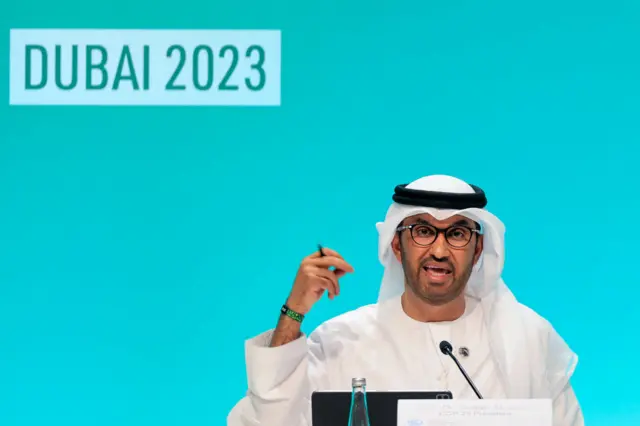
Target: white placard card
<point>483,412</point>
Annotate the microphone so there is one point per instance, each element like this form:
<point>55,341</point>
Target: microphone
<point>447,349</point>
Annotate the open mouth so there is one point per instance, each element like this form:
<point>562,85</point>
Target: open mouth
<point>436,272</point>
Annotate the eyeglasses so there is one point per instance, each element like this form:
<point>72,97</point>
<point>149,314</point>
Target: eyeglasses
<point>457,236</point>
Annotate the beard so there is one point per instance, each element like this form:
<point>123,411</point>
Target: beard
<point>436,293</point>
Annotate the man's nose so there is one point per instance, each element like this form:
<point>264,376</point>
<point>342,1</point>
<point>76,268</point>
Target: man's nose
<point>439,248</point>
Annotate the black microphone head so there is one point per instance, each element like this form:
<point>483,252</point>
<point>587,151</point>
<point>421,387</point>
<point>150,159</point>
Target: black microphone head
<point>445,347</point>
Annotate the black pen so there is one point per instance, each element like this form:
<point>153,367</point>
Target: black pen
<point>320,250</point>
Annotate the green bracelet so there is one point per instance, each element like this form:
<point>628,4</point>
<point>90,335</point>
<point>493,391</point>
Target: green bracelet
<point>291,314</point>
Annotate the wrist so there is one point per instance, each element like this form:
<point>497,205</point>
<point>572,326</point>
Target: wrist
<point>296,307</point>
<point>292,313</point>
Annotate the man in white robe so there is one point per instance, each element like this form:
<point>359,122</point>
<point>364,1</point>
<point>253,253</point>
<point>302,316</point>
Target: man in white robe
<point>443,254</point>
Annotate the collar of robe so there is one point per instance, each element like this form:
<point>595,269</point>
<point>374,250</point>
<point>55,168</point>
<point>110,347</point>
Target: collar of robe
<point>440,200</point>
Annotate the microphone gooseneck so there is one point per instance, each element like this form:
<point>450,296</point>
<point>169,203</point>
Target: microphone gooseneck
<point>447,349</point>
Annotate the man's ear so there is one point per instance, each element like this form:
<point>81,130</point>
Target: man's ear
<point>478,249</point>
<point>396,246</point>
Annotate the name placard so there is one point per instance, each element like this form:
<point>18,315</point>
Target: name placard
<point>145,67</point>
<point>484,412</point>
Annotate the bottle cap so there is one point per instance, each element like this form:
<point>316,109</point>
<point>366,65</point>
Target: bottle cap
<point>358,382</point>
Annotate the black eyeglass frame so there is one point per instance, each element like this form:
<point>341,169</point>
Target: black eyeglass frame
<point>438,232</point>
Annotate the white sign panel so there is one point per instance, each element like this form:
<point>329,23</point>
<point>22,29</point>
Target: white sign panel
<point>118,67</point>
<point>484,412</point>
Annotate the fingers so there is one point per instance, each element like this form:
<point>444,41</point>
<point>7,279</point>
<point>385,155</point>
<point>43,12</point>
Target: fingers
<point>330,259</point>
<point>330,277</point>
<point>336,262</point>
<point>339,273</point>
<point>318,265</point>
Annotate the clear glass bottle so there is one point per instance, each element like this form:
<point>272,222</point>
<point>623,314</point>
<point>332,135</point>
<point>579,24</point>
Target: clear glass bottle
<point>359,413</point>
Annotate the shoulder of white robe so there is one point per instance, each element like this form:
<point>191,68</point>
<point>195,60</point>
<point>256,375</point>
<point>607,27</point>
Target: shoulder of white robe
<point>558,361</point>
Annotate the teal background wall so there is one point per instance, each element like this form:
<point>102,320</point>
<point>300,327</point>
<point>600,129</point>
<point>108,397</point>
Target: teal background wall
<point>132,237</point>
